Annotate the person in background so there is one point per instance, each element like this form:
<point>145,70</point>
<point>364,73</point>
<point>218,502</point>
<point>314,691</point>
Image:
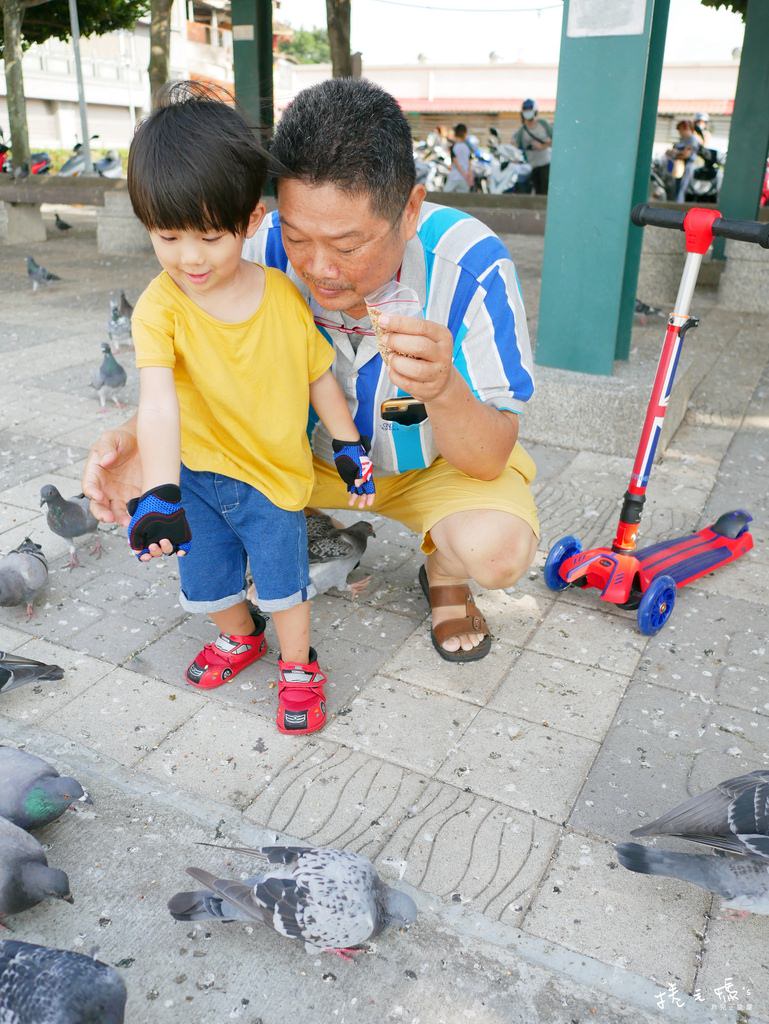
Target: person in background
<point>461,176</point>
<point>683,154</point>
<point>702,128</point>
<point>535,138</point>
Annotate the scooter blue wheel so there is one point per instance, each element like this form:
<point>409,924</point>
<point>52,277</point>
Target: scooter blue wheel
<point>657,605</point>
<point>559,552</point>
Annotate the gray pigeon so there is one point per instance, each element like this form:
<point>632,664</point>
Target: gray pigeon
<point>741,882</point>
<point>108,378</point>
<point>331,900</point>
<point>119,323</point>
<point>25,878</point>
<point>39,985</point>
<point>39,276</point>
<point>16,671</point>
<point>734,816</point>
<point>62,225</point>
<point>335,551</point>
<point>32,793</point>
<point>23,574</point>
<point>69,519</point>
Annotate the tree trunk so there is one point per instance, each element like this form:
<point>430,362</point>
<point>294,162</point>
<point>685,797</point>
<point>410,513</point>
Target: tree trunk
<point>160,46</point>
<point>338,22</point>
<point>13,14</point>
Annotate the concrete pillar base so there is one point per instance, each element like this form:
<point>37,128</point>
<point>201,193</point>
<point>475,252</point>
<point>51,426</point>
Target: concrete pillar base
<point>745,278</point>
<point>21,222</point>
<point>118,232</point>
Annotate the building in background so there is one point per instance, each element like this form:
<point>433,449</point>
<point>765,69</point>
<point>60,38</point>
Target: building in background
<point>115,75</point>
<point>481,95</point>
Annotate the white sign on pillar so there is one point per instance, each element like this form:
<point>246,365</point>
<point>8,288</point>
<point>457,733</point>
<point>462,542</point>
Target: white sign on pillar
<point>606,18</point>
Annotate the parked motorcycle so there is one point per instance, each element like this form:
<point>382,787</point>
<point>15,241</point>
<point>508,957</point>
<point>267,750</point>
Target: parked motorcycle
<point>39,163</point>
<point>508,172</point>
<point>432,164</point>
<point>108,166</point>
<point>706,180</point>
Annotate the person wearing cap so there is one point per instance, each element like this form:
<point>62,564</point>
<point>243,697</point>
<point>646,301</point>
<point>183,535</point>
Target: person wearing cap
<point>535,138</point>
<point>702,128</point>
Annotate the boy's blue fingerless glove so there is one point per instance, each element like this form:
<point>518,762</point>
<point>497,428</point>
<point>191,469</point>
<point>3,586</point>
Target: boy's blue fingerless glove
<point>352,463</point>
<point>158,515</point>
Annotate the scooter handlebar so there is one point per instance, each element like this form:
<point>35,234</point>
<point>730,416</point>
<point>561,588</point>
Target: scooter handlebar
<point>742,230</point>
<point>738,230</point>
<point>657,216</point>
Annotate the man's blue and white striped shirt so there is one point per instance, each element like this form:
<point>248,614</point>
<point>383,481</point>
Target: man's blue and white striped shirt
<point>464,278</point>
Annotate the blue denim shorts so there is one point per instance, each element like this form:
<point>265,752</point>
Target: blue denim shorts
<point>232,523</point>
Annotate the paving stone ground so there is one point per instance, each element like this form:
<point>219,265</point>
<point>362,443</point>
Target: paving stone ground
<point>493,791</point>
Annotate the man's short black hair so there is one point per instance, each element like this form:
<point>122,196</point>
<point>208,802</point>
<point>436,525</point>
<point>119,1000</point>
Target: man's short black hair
<point>195,165</point>
<point>460,129</point>
<point>349,133</point>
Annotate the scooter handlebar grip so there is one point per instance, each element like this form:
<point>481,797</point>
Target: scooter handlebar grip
<point>657,216</point>
<point>742,230</point>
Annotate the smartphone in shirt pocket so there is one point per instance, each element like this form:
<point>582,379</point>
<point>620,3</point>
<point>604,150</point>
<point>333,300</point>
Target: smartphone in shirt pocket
<point>406,411</point>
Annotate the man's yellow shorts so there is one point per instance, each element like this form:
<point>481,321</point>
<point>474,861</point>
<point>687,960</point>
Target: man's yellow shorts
<point>420,498</point>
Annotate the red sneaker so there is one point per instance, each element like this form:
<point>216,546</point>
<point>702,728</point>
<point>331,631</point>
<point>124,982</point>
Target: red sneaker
<point>221,661</point>
<point>301,700</point>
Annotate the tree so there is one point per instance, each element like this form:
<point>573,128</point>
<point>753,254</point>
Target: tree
<point>308,46</point>
<point>738,6</point>
<point>338,20</point>
<point>160,45</point>
<point>33,21</point>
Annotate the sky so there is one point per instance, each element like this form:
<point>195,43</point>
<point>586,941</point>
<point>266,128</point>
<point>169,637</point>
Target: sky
<point>397,31</point>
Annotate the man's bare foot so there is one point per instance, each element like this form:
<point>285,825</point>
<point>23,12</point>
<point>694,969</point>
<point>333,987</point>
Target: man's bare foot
<point>463,641</point>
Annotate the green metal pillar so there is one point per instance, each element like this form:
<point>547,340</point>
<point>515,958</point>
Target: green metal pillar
<point>641,182</point>
<point>252,53</point>
<point>749,133</point>
<point>604,81</point>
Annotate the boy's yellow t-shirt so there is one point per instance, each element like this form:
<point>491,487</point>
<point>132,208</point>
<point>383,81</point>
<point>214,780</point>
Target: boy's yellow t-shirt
<point>243,388</point>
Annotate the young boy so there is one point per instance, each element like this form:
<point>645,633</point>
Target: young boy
<point>461,175</point>
<point>230,360</point>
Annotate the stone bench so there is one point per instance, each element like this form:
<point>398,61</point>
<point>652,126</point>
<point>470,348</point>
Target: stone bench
<point>117,229</point>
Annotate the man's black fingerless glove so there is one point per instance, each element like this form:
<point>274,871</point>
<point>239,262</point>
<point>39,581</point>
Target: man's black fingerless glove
<point>158,515</point>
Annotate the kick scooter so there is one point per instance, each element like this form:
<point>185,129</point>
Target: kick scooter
<point>645,580</point>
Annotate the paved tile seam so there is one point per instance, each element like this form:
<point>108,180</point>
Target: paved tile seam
<point>502,941</point>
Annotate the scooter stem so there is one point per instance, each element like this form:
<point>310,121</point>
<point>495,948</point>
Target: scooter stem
<point>699,235</point>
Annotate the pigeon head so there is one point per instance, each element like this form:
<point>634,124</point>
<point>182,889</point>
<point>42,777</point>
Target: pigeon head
<point>51,797</point>
<point>105,347</point>
<point>39,881</point>
<point>31,264</point>
<point>399,907</point>
<point>363,528</point>
<point>29,547</point>
<point>49,495</point>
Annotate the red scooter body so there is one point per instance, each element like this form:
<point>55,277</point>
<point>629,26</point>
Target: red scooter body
<point>646,579</point>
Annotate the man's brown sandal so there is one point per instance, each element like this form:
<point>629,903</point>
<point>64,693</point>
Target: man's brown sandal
<point>473,622</point>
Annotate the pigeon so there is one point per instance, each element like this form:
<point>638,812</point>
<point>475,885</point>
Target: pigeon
<point>331,900</point>
<point>39,985</point>
<point>741,882</point>
<point>70,519</point>
<point>62,225</point>
<point>734,816</point>
<point>16,671</point>
<point>25,878</point>
<point>108,378</point>
<point>39,276</point>
<point>23,574</point>
<point>119,323</point>
<point>20,171</point>
<point>642,313</point>
<point>32,793</point>
<point>335,551</point>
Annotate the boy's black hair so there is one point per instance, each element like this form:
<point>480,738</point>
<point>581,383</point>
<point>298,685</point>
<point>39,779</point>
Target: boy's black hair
<point>194,164</point>
<point>349,133</point>
<point>460,129</point>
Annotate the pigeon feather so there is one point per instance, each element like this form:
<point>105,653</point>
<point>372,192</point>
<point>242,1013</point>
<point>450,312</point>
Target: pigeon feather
<point>732,816</point>
<point>23,575</point>
<point>25,877</point>
<point>39,985</point>
<point>32,793</point>
<point>16,671</point>
<point>334,551</point>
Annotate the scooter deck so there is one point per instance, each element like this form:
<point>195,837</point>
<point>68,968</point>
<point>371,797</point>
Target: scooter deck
<point>686,558</point>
